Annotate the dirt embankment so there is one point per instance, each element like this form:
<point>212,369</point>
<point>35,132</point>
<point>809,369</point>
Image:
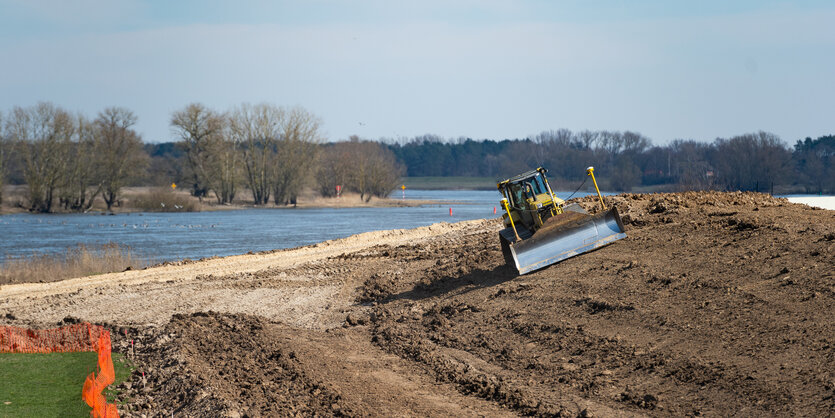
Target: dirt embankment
<point>715,304</point>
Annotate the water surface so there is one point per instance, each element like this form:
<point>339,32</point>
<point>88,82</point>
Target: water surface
<point>173,236</point>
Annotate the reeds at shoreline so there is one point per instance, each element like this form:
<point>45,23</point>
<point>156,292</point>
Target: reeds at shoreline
<point>161,200</point>
<point>77,261</point>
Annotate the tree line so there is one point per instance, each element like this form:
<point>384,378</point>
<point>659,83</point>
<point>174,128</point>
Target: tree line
<point>274,152</point>
<point>68,160</point>
<point>752,162</point>
<point>266,153</point>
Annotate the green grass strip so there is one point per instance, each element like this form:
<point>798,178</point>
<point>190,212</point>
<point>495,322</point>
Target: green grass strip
<point>49,385</point>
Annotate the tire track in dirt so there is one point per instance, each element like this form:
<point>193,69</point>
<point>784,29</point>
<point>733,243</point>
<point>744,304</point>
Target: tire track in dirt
<point>239,365</point>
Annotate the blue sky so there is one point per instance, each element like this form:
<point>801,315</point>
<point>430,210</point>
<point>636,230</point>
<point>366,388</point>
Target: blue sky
<point>481,69</point>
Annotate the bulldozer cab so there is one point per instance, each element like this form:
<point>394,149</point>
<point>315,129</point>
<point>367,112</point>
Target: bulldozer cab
<point>527,190</point>
<point>519,195</point>
<point>530,199</point>
<point>541,230</point>
<point>525,187</point>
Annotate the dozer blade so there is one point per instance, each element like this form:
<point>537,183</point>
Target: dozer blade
<point>563,236</point>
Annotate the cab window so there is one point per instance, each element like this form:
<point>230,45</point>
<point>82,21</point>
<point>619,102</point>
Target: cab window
<point>516,197</point>
<point>539,185</point>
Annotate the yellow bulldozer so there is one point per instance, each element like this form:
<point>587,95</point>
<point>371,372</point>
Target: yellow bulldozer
<point>540,229</point>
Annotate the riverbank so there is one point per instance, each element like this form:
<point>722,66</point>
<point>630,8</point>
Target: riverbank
<point>155,199</point>
<point>171,236</point>
<point>715,304</point>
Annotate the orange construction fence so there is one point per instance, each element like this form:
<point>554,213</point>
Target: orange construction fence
<point>71,338</point>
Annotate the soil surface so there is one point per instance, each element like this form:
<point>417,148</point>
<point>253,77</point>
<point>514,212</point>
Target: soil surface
<point>715,304</point>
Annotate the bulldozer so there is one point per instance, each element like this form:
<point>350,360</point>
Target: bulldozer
<point>540,229</point>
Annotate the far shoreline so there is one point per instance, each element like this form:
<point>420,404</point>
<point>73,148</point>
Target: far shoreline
<point>15,198</point>
<point>206,207</point>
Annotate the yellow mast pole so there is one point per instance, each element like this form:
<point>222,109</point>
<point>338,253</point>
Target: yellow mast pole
<point>557,209</point>
<point>590,171</point>
<point>509,216</point>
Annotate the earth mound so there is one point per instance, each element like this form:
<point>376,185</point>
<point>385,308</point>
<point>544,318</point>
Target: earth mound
<point>715,304</point>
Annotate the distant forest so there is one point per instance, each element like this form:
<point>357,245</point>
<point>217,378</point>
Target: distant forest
<point>758,161</point>
<point>68,160</point>
<point>623,160</point>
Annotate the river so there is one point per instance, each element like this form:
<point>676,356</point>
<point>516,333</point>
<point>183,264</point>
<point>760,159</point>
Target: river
<point>173,236</point>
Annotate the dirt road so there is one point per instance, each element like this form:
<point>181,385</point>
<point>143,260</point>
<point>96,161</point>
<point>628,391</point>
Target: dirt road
<point>715,304</point>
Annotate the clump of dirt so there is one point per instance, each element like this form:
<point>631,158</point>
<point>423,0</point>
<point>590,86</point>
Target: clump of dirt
<point>379,286</point>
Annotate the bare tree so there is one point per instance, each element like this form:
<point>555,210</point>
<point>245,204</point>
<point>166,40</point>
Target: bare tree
<point>773,160</point>
<point>81,174</point>
<point>296,151</point>
<point>118,150</point>
<point>560,138</point>
<point>588,138</point>
<point>211,151</point>
<point>615,143</point>
<point>610,142</point>
<point>225,164</point>
<point>688,161</point>
<point>42,134</point>
<point>199,129</point>
<point>633,142</point>
<point>751,161</point>
<point>257,128</point>
<point>373,168</point>
<point>383,171</point>
<point>333,168</point>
